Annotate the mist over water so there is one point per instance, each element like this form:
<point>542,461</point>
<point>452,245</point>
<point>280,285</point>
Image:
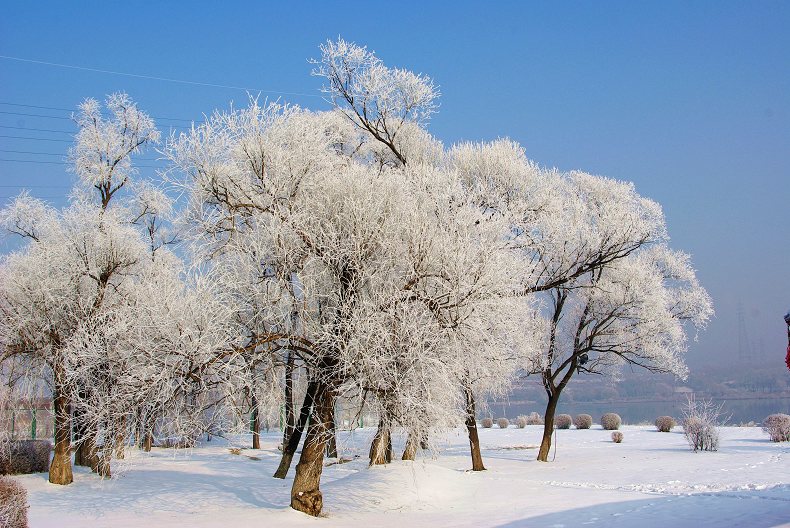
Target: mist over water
<point>734,412</point>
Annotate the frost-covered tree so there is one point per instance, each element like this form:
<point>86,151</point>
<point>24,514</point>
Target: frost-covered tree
<point>74,299</point>
<point>630,309</point>
<point>401,282</point>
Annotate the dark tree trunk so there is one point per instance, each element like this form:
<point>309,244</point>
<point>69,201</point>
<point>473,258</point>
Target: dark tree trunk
<point>296,436</point>
<point>120,438</point>
<point>331,442</point>
<point>290,418</point>
<point>60,468</point>
<point>381,447</point>
<point>305,494</point>
<point>410,451</point>
<point>86,454</point>
<point>148,440</point>
<point>82,452</point>
<point>471,429</point>
<point>548,427</point>
<point>256,424</point>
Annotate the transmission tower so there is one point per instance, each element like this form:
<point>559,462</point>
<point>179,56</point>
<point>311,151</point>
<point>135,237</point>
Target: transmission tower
<point>744,345</point>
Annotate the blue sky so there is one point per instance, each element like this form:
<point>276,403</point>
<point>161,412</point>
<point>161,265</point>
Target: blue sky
<point>691,101</point>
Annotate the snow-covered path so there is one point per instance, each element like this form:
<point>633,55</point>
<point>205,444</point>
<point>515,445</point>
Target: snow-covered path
<point>650,480</point>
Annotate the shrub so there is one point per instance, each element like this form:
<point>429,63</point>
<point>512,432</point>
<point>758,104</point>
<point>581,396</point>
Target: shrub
<point>582,421</point>
<point>487,423</point>
<point>617,437</point>
<point>503,423</point>
<point>563,421</point>
<point>778,427</point>
<point>534,419</point>
<point>521,422</point>
<point>665,423</point>
<point>611,421</point>
<point>25,456</point>
<point>13,504</point>
<point>700,425</point>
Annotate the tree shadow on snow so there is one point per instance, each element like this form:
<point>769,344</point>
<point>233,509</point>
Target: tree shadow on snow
<point>708,510</point>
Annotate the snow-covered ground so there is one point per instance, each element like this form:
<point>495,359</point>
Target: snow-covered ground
<point>651,479</point>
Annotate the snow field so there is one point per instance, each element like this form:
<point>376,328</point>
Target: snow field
<point>651,479</point>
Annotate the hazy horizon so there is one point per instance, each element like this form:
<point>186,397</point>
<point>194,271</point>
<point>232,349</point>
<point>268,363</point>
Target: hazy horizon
<point>690,102</point>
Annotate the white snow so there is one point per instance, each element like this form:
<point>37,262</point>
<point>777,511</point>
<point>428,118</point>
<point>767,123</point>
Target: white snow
<point>651,479</point>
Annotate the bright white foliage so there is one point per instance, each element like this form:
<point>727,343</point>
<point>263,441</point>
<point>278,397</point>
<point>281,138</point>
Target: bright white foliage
<point>103,149</point>
<point>400,274</point>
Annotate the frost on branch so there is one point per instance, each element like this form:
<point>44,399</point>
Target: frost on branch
<point>375,97</point>
<point>101,156</point>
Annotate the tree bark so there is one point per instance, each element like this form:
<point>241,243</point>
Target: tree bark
<point>548,427</point>
<point>120,438</point>
<point>410,451</point>
<point>60,468</point>
<point>305,494</point>
<point>296,436</point>
<point>290,418</point>
<point>471,429</point>
<point>148,441</point>
<point>256,424</point>
<point>331,443</point>
<point>381,447</point>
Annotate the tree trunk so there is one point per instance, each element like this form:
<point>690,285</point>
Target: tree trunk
<point>60,468</point>
<point>290,418</point>
<point>148,441</point>
<point>331,443</point>
<point>471,429</point>
<point>120,438</point>
<point>548,427</point>
<point>82,451</point>
<point>411,447</point>
<point>256,424</point>
<point>305,494</point>
<point>381,447</point>
<point>86,454</point>
<point>296,436</point>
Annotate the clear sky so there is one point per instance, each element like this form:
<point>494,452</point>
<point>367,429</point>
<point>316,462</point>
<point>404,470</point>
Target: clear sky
<point>689,100</point>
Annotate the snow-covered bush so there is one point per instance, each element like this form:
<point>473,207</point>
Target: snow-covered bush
<point>778,427</point>
<point>617,437</point>
<point>521,422</point>
<point>700,424</point>
<point>563,421</point>
<point>582,421</point>
<point>13,504</point>
<point>25,456</point>
<point>611,421</point>
<point>503,423</point>
<point>665,423</point>
<point>534,419</point>
<point>487,423</point>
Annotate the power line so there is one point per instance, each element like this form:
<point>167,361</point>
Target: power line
<point>35,115</point>
<point>35,161</point>
<point>33,152</point>
<point>65,163</point>
<point>62,154</point>
<point>153,77</point>
<point>35,186</point>
<point>72,110</point>
<point>39,197</point>
<point>67,118</point>
<point>36,139</point>
<point>36,129</point>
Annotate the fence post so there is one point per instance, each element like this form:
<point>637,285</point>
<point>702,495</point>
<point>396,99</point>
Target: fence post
<point>33,425</point>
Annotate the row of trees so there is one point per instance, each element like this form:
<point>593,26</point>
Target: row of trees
<point>348,251</point>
